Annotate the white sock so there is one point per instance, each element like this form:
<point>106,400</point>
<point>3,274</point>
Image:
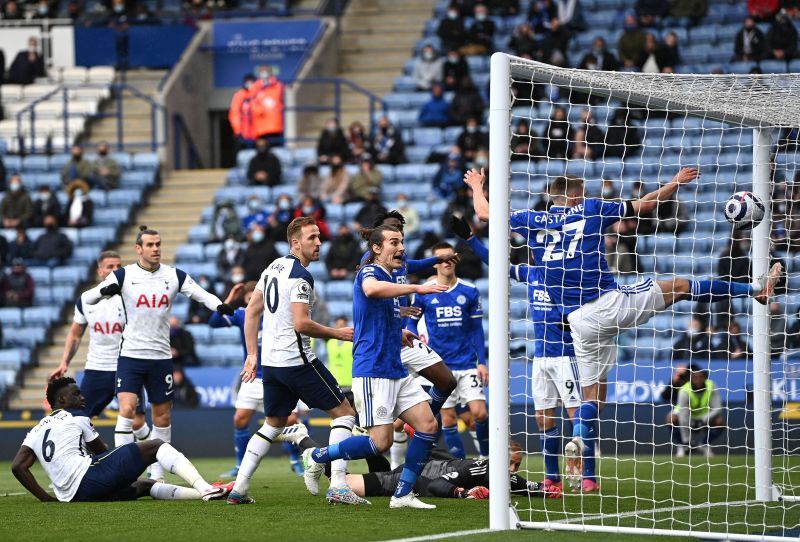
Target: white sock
<point>169,492</point>
<point>142,433</point>
<point>397,452</point>
<point>475,442</point>
<point>176,463</point>
<point>165,434</point>
<point>257,448</point>
<point>341,428</point>
<point>123,432</point>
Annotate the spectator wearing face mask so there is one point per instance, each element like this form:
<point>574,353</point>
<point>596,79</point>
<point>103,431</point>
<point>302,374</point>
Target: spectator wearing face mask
<point>16,207</point>
<point>387,144</point>
<point>279,219</point>
<point>357,140</point>
<point>344,254</point>
<point>105,170</point>
<point>240,113</point>
<point>524,144</point>
<point>750,42</point>
<point>257,214</point>
<point>558,134</point>
<point>451,30</point>
<point>310,183</point>
<point>411,227</point>
<point>524,41</point>
<point>198,312</point>
<point>17,287</point>
<point>454,70</point>
<point>332,142</point>
<point>76,168</point>
<point>337,183</point>
<point>782,38</point>
<point>427,68</point>
<point>267,104</point>
<point>436,111</point>
<point>600,58</point>
<point>373,207</point>
<point>264,168</point>
<point>44,204</point>
<point>367,178</point>
<point>21,247</point>
<point>259,253</point>
<point>80,208</point>
<point>52,248</point>
<point>479,39</point>
<point>231,255</point>
<point>450,175</point>
<point>695,341</point>
<point>310,207</point>
<point>467,103</point>
<point>631,42</point>
<point>623,138</point>
<point>44,10</point>
<point>224,223</point>
<point>27,65</point>
<point>472,139</point>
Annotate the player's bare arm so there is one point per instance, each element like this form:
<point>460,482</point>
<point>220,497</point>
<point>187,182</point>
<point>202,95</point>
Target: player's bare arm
<point>649,202</point>
<point>475,179</point>
<point>21,468</point>
<point>304,325</point>
<point>71,345</point>
<point>252,316</point>
<point>374,288</point>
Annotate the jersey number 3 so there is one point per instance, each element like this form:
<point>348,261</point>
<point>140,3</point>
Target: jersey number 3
<point>552,238</point>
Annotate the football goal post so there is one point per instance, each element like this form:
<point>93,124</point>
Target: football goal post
<point>729,470</point>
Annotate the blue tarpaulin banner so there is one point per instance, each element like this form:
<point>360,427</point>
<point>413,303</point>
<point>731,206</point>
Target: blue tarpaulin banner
<point>144,46</point>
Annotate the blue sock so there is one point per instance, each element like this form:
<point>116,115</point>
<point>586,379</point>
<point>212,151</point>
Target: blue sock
<point>551,444</point>
<point>482,433</point>
<point>292,451</point>
<point>349,448</point>
<point>240,439</point>
<point>453,440</point>
<point>419,450</point>
<point>711,291</point>
<point>437,399</point>
<point>713,434</point>
<point>584,425</point>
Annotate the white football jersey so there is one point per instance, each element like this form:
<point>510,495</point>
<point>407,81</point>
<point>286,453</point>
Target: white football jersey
<point>59,442</point>
<point>105,322</point>
<point>147,301</point>
<point>283,282</point>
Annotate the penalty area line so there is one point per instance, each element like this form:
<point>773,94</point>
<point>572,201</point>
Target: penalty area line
<point>440,536</point>
<point>654,511</point>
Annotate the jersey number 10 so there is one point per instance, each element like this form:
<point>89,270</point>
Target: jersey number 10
<point>552,238</point>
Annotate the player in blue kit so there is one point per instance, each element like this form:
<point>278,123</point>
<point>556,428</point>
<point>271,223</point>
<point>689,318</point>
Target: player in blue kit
<point>453,319</point>
<point>568,243</point>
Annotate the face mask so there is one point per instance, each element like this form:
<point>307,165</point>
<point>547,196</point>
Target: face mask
<point>258,236</point>
<point>44,196</point>
<point>401,203</point>
<point>308,209</point>
<point>481,162</point>
<point>264,75</point>
<point>692,331</point>
<point>285,204</point>
<point>608,193</point>
<point>452,15</point>
<point>331,128</point>
<point>472,129</point>
<point>247,85</point>
<point>77,193</point>
<point>230,245</point>
<point>427,55</point>
<point>254,205</point>
<point>204,284</point>
<point>745,246</point>
<point>41,10</point>
<point>14,187</point>
<point>591,66</point>
<point>452,58</point>
<point>236,278</point>
<point>119,9</point>
<point>480,16</point>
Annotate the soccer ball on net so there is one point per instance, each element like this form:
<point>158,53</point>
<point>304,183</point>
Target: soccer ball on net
<point>744,210</point>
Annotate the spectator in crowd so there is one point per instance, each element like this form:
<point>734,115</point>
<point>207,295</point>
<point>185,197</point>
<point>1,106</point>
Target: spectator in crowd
<point>524,41</point>
<point>451,30</point>
<point>185,395</point>
<point>368,178</point>
<point>472,139</point>
<point>77,167</point>
<point>763,10</point>
<point>680,376</point>
<point>181,342</point>
<point>21,247</point>
<point>16,207</point>
<point>738,347</point>
<point>310,207</point>
<point>402,204</point>
<point>672,216</point>
<point>366,216</point>
<point>260,252</point>
<point>467,103</point>
<point>599,58</point>
<point>540,13</point>
<point>697,417</point>
<point>671,51</point>
<point>387,144</point>
<point>589,138</point>
<point>240,113</point>
<point>105,170</point>
<point>2,164</point>
<point>460,206</point>
<point>621,258</point>
<point>429,239</point>
<point>264,168</point>
<point>230,255</point>
<point>11,11</point>
<point>778,326</point>
<point>257,214</point>
<point>450,174</point>
<point>631,42</point>
<point>750,43</point>
<point>332,142</point>
<point>45,203</point>
<point>267,105</point>
<point>51,248</point>
<point>337,184</point>
<point>454,70</point>
<point>650,12</point>
<point>199,313</point>
<point>436,111</point>
<point>782,38</point>
<point>427,68</point>
<point>479,39</point>
<point>224,223</point>
<point>17,286</point>
<point>280,218</point>
<point>655,57</point>
<point>79,211</point>
<point>27,65</point>
<point>44,10</point>
<point>687,13</point>
<point>556,43</point>
<point>557,134</point>
<point>344,254</point>
<point>524,145</point>
<point>734,262</point>
<point>695,341</point>
<point>310,183</point>
<point>357,139</point>
<point>623,139</point>
<point>235,276</point>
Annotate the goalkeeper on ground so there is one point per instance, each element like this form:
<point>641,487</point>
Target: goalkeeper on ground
<point>697,418</point>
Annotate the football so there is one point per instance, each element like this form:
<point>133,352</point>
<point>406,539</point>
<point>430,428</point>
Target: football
<point>744,210</point>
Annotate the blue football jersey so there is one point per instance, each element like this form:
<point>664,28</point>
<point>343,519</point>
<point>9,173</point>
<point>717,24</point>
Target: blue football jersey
<point>550,339</point>
<point>378,329</point>
<point>568,244</point>
<point>237,320</point>
<point>454,323</point>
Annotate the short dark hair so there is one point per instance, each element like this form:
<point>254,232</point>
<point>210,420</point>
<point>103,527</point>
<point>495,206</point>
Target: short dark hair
<point>296,225</point>
<point>441,245</point>
<point>383,215</point>
<point>107,254</point>
<point>54,388</point>
<point>144,230</point>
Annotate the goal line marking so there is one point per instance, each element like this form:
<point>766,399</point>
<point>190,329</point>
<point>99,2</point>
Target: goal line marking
<point>440,536</point>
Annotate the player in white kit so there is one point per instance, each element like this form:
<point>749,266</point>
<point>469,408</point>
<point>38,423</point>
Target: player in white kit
<point>147,289</point>
<point>105,322</point>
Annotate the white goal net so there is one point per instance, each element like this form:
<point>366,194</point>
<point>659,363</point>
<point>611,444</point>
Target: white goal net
<point>728,466</point>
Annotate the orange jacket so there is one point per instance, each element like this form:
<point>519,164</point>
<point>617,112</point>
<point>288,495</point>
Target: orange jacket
<point>267,104</point>
<point>240,114</point>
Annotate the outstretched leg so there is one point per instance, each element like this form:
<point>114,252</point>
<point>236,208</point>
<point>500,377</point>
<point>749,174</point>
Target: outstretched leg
<point>711,291</point>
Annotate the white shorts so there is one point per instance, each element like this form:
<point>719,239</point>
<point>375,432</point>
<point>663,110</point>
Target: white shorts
<point>418,357</point>
<point>251,396</point>
<point>468,388</point>
<point>596,325</point>
<point>380,401</point>
<point>555,380</point>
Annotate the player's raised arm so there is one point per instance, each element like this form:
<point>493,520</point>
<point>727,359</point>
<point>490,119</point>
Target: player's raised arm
<point>110,286</point>
<point>194,291</point>
<point>650,201</point>
<point>475,180</point>
<point>374,288</point>
<point>252,317</point>
<point>21,468</point>
<point>71,345</point>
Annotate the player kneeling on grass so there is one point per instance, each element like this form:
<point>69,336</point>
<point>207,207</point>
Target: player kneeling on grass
<point>698,412</point>
<point>82,468</point>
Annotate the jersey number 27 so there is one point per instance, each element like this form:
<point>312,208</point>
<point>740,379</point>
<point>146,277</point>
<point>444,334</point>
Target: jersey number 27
<point>552,238</point>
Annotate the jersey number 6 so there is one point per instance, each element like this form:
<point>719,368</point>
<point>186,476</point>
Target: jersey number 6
<point>48,447</point>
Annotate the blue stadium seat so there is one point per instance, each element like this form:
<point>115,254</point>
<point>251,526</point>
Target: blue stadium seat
<point>111,216</point>
<point>85,255</point>
<point>121,197</point>
<point>305,155</point>
<point>226,335</point>
<point>338,290</point>
<point>427,136</point>
<point>10,317</point>
<point>773,66</point>
<point>405,83</point>
<point>40,316</point>
<point>13,359</point>
<point>122,158</point>
<point>700,34</point>
<point>13,163</point>
<point>145,160</point>
<point>36,163</point>
<point>26,337</point>
<point>137,179</point>
<point>40,276</point>
<point>190,253</point>
<point>57,161</point>
<point>741,67</point>
<point>341,308</point>
<point>68,275</point>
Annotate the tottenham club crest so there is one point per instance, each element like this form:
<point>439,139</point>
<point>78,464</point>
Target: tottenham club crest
<point>461,300</point>
<point>381,412</point>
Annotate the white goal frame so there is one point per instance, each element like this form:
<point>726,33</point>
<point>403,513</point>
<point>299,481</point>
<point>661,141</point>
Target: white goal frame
<point>763,117</point>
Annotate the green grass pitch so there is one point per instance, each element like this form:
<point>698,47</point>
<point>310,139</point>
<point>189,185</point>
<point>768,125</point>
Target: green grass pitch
<point>285,511</point>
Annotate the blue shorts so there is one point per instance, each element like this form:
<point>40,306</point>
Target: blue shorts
<point>111,475</point>
<point>97,388</point>
<point>155,375</point>
<point>311,383</point>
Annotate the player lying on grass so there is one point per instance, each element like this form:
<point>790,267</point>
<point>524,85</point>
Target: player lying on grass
<point>567,242</point>
<point>82,468</point>
<point>553,378</point>
<point>446,477</point>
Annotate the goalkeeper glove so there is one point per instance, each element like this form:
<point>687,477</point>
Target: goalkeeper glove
<point>111,289</point>
<point>460,227</point>
<point>225,309</point>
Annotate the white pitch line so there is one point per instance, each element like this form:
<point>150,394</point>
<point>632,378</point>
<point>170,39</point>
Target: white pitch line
<point>440,536</point>
<point>654,511</point>
<point>4,494</point>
